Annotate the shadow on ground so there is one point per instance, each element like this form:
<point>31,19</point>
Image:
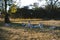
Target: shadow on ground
<point>18,32</point>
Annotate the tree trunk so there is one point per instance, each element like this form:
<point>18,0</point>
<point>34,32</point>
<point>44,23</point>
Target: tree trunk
<point>7,18</point>
<point>7,21</point>
<point>6,14</point>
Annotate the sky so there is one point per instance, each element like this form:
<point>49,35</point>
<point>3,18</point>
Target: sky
<point>22,3</point>
<point>28,2</point>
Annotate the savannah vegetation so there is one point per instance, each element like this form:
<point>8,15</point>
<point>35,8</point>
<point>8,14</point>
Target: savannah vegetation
<point>48,16</point>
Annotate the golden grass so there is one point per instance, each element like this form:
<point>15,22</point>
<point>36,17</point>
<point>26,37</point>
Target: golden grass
<point>35,21</point>
<point>10,33</point>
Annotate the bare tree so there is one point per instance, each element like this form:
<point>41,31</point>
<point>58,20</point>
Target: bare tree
<point>51,3</point>
<point>6,13</point>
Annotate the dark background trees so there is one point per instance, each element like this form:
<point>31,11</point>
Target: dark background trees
<point>50,11</point>
<point>38,13</point>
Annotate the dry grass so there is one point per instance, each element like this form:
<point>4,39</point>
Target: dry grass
<point>37,21</point>
<point>22,33</point>
<point>9,33</point>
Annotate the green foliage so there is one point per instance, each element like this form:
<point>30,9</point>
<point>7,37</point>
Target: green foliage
<point>12,10</point>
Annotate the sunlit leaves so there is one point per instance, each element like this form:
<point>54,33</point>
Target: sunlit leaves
<point>13,9</point>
